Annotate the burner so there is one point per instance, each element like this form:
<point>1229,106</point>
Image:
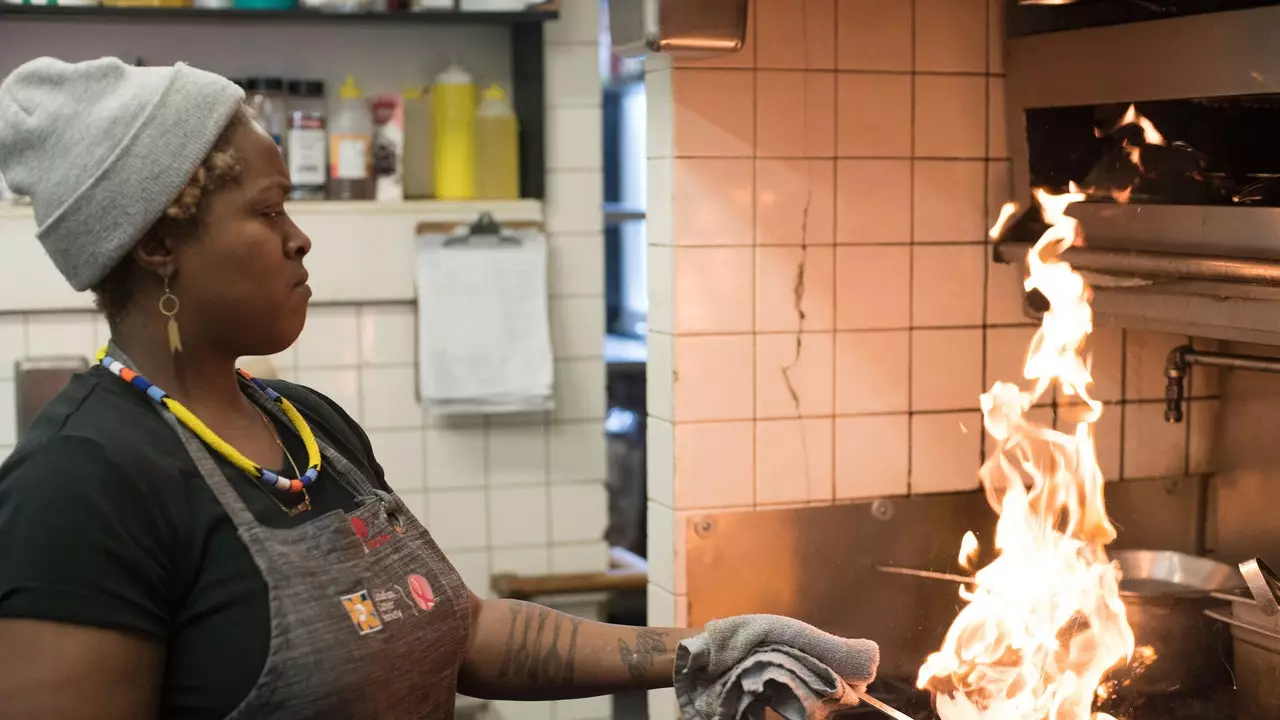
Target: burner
<point>1216,704</point>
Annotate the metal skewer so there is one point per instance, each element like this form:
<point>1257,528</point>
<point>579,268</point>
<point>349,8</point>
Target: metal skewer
<point>929,574</point>
<point>864,697</point>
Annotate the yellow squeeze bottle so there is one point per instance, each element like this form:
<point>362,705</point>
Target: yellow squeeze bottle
<point>454,98</point>
<point>497,147</point>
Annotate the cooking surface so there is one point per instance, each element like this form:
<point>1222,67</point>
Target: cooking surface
<point>1216,704</point>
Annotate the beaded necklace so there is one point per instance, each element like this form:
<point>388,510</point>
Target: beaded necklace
<point>210,438</point>
<point>301,507</point>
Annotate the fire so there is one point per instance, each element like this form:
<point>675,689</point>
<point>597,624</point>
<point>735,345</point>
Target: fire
<point>1150,135</point>
<point>1044,621</point>
<point>969,550</point>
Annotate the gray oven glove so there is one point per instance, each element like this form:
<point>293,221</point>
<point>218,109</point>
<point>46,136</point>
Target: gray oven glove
<point>741,665</point>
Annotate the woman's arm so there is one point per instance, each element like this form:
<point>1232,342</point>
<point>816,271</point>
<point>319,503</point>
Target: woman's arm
<point>522,651</point>
<point>55,670</point>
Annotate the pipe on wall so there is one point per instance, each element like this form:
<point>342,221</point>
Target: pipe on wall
<point>1180,360</point>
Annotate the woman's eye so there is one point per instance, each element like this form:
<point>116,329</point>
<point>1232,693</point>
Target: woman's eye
<point>273,214</point>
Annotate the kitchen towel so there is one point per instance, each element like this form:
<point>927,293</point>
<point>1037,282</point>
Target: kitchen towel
<point>738,667</point>
<point>484,337</point>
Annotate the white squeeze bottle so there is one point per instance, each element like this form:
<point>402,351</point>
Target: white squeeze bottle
<point>497,147</point>
<point>351,146</point>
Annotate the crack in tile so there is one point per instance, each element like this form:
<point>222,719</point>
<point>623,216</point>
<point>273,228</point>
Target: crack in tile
<point>798,292</point>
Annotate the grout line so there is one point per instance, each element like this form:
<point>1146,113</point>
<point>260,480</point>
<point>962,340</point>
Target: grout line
<point>755,262</point>
<point>835,233</point>
<point>835,252</point>
<point>911,223</point>
<point>1124,394</point>
<point>986,210</point>
<point>879,158</point>
<point>876,414</point>
<point>829,331</point>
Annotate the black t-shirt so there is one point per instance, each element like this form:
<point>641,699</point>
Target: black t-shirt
<point>105,521</point>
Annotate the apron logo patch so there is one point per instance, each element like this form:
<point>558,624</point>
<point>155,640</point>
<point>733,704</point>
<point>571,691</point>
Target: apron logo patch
<point>362,612</point>
<point>420,589</point>
<point>362,532</point>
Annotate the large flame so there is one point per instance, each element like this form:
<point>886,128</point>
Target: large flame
<point>1044,621</point>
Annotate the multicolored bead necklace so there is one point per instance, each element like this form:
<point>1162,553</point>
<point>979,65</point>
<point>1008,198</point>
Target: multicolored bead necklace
<point>202,431</point>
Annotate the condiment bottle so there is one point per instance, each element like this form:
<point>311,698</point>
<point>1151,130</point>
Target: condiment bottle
<point>454,99</point>
<point>497,147</point>
<point>350,146</point>
<point>266,97</point>
<point>307,140</point>
<point>419,144</point>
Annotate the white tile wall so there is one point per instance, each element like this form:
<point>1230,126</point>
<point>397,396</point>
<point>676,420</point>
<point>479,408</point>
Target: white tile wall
<point>331,338</point>
<point>518,516</point>
<point>13,343</point>
<point>522,561</point>
<point>61,334</point>
<point>530,530</point>
<point>516,453</point>
<point>573,75</point>
<point>388,334</point>
<point>578,558</point>
<point>575,452</point>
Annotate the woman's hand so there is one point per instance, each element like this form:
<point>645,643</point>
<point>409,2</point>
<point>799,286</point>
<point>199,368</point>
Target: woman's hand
<point>522,651</point>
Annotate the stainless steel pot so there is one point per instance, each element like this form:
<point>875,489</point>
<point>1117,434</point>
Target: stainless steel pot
<point>1166,594</point>
<point>1255,628</point>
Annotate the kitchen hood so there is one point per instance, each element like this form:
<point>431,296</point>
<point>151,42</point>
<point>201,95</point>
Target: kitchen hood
<point>680,27</point>
<point>1172,130</point>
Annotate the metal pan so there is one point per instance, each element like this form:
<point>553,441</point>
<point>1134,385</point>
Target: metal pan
<point>1165,595</point>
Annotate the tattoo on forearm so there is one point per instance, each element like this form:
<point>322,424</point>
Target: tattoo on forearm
<point>573,650</point>
<point>650,645</point>
<point>508,656</point>
<point>538,666</point>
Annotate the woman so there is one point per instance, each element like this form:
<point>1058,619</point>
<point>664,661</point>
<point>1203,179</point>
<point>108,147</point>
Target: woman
<point>178,540</point>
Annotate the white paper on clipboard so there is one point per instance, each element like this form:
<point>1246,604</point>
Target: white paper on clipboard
<point>484,335</point>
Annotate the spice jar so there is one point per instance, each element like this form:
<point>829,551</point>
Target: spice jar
<point>266,97</point>
<point>307,139</point>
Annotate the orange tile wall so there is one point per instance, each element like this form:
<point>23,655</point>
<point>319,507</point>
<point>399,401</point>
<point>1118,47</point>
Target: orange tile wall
<point>824,311</point>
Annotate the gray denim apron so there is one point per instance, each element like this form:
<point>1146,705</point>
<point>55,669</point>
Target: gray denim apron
<point>368,618</point>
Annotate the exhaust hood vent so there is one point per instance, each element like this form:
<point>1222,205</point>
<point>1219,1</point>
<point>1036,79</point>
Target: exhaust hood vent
<point>1171,129</point>
<point>680,27</point>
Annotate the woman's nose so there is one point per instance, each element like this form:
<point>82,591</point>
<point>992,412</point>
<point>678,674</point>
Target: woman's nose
<point>298,244</point>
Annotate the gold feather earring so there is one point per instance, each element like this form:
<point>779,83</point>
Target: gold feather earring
<point>169,306</point>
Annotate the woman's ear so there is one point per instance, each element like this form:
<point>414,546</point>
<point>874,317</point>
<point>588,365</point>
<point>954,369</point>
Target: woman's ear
<point>155,253</point>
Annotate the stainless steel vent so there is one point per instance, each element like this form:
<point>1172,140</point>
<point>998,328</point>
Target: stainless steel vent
<point>685,27</point>
<point>1182,226</point>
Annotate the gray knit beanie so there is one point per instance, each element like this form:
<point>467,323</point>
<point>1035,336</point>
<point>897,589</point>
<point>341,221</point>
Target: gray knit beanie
<point>103,148</point>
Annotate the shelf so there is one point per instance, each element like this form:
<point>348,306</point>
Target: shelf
<point>46,13</point>
<point>523,210</point>
<point>360,251</point>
